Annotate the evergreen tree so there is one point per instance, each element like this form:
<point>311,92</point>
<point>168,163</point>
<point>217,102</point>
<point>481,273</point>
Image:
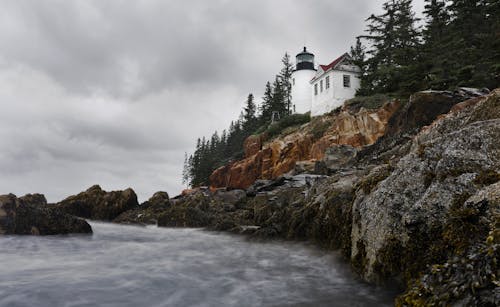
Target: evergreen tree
<point>469,30</point>
<point>186,169</point>
<point>358,57</point>
<point>394,41</point>
<point>278,101</point>
<point>434,51</point>
<point>492,43</point>
<point>267,104</point>
<point>250,115</point>
<point>285,78</point>
<point>357,54</point>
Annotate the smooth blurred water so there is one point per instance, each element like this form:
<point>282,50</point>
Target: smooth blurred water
<point>150,266</point>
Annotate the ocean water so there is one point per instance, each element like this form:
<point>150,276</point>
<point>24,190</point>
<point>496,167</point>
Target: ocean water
<point>150,266</point>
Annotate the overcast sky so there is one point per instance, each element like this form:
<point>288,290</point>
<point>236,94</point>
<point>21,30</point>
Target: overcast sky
<point>114,92</point>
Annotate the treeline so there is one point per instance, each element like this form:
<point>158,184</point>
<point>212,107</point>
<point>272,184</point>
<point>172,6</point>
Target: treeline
<point>458,45</point>
<point>222,148</point>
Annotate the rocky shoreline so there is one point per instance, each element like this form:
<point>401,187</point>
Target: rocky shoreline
<point>418,205</point>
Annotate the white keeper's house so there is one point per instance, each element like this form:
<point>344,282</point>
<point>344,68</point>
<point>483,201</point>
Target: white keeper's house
<point>320,89</point>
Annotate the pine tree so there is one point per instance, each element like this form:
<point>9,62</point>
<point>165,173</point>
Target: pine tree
<point>434,51</point>
<point>492,43</point>
<point>469,31</point>
<point>394,41</point>
<point>358,57</point>
<point>249,117</point>
<point>357,54</point>
<point>267,104</point>
<point>279,103</point>
<point>285,78</point>
<point>406,55</point>
<point>381,38</point>
<point>186,170</point>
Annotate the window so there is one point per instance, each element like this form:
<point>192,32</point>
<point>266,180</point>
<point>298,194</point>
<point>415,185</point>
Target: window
<point>347,81</point>
<point>316,89</point>
<point>327,82</point>
<point>321,85</point>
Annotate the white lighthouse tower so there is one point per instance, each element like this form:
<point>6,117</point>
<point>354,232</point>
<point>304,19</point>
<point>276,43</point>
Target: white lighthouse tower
<point>301,86</point>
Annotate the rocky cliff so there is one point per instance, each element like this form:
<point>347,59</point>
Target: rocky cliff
<point>307,144</point>
<point>419,206</point>
<point>353,126</point>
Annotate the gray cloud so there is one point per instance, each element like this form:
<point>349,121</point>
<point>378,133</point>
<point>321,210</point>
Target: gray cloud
<point>114,92</point>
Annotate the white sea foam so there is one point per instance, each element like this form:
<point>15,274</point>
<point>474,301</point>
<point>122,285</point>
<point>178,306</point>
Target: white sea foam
<point>149,266</point>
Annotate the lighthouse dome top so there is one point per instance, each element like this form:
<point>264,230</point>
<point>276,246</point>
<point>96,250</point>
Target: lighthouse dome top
<point>305,60</point>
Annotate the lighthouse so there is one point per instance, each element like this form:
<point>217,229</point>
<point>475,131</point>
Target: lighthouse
<point>301,86</point>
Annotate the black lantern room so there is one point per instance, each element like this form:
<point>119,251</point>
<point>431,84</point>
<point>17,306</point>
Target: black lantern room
<point>305,60</point>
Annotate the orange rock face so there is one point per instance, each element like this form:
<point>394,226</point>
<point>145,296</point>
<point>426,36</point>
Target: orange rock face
<point>279,156</point>
<point>358,129</point>
<point>252,145</point>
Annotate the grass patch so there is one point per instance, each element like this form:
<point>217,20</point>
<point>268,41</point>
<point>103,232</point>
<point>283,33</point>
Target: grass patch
<point>368,102</point>
<point>276,128</point>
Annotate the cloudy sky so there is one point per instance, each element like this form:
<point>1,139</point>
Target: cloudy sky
<point>114,92</point>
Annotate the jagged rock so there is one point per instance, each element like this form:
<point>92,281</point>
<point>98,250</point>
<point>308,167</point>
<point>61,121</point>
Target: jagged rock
<point>218,210</point>
<point>309,142</point>
<point>34,199</point>
<point>97,204</point>
<point>283,182</point>
<point>470,280</point>
<point>357,129</point>
<point>422,109</point>
<point>304,167</point>
<point>399,225</point>
<point>158,199</point>
<point>192,210</point>
<point>146,213</point>
<point>336,158</point>
<point>29,215</point>
<point>252,145</point>
<point>231,197</point>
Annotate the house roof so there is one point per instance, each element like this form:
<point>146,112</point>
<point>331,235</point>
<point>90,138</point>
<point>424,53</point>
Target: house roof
<point>334,62</point>
<point>331,66</point>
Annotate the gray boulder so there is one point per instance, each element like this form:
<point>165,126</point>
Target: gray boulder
<point>29,215</point>
<point>98,204</point>
<point>405,221</point>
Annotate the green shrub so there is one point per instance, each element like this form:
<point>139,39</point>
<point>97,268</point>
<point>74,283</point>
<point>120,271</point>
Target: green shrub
<point>261,129</point>
<point>291,120</point>
<point>368,102</point>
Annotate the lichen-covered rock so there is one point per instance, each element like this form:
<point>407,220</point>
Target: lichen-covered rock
<point>469,279</point>
<point>336,158</point>
<point>146,213</point>
<point>29,215</point>
<point>97,204</point>
<point>405,221</point>
<point>219,210</point>
<point>421,110</point>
